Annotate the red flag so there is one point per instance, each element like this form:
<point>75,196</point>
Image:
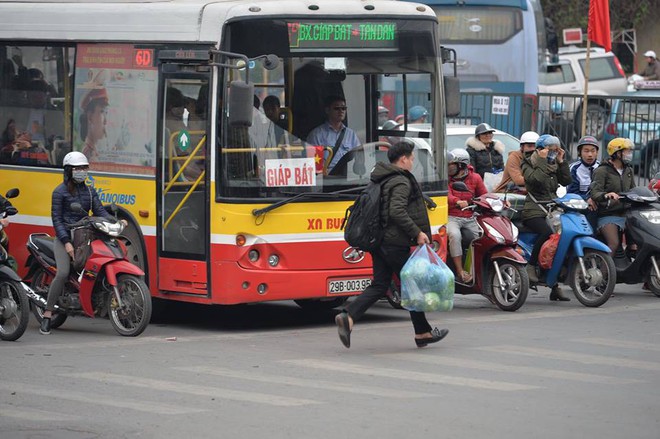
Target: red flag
<point>598,29</point>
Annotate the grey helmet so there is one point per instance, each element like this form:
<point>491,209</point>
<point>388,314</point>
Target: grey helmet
<point>483,128</point>
<point>459,156</point>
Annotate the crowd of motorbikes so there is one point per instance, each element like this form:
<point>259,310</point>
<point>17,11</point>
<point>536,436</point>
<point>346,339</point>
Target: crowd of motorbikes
<point>496,259</point>
<point>105,284</point>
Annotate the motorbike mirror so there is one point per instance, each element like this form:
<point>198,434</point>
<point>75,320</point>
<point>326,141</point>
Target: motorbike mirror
<point>76,207</point>
<point>460,186</point>
<point>12,193</point>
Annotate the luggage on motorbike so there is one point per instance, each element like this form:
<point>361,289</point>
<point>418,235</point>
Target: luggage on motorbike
<point>548,251</point>
<point>427,284</point>
<point>82,245</point>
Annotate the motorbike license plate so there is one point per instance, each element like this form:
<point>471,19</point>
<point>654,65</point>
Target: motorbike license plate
<point>340,286</point>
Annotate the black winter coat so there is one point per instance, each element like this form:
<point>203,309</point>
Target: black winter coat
<point>485,158</point>
<point>62,214</point>
<point>405,212</point>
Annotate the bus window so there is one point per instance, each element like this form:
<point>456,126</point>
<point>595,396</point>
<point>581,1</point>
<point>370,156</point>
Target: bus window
<point>35,90</point>
<point>114,120</point>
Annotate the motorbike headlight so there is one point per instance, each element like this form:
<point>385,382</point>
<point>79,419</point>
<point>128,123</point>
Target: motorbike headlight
<point>577,204</point>
<point>514,232</point>
<point>111,229</point>
<point>495,234</point>
<point>496,204</point>
<point>652,216</point>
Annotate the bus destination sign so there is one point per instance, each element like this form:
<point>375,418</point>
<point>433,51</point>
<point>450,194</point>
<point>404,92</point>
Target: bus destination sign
<point>329,36</point>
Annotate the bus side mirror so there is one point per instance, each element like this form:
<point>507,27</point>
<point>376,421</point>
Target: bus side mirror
<point>452,96</point>
<point>241,101</point>
<point>12,193</point>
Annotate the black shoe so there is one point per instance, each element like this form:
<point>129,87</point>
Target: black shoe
<point>558,294</point>
<point>343,328</point>
<point>436,336</point>
<point>45,326</point>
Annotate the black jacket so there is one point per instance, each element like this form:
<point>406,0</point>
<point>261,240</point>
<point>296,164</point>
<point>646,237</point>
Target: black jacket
<point>62,214</point>
<point>404,210</point>
<point>607,179</point>
<point>485,158</point>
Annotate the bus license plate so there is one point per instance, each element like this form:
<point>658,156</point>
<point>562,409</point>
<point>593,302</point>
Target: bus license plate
<point>339,286</point>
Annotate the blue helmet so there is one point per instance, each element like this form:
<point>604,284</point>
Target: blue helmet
<point>417,112</point>
<point>546,140</point>
<point>557,107</point>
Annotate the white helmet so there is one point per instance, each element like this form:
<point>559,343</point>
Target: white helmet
<point>458,156</point>
<point>650,53</point>
<point>529,137</point>
<point>75,158</point>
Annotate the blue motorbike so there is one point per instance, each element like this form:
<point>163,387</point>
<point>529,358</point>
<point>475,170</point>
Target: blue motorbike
<point>581,261</point>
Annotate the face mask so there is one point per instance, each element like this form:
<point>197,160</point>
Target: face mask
<point>79,176</point>
<point>627,157</point>
<point>552,155</point>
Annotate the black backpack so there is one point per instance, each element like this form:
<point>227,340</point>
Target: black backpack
<point>362,225</point>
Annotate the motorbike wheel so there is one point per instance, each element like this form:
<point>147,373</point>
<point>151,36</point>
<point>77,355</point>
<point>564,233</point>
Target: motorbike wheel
<point>14,310</point>
<point>132,317</point>
<point>516,285</point>
<point>601,265</point>
<point>40,283</point>
<point>653,282</point>
<point>393,296</point>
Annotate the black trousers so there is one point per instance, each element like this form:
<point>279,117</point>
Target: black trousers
<point>538,225</point>
<point>388,261</point>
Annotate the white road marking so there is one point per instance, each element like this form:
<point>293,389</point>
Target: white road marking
<point>409,375</point>
<point>304,382</point>
<point>507,368</point>
<point>95,398</point>
<point>34,415</point>
<point>192,389</point>
<point>627,344</point>
<point>575,357</point>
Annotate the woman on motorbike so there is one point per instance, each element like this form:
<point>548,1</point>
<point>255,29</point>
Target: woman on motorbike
<point>72,190</point>
<point>460,220</point>
<point>611,178</point>
<point>544,170</point>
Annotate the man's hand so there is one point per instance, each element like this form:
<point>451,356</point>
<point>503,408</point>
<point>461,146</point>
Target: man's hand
<point>612,196</point>
<point>69,249</point>
<point>560,155</point>
<point>543,153</point>
<point>592,205</point>
<point>462,204</point>
<point>422,238</point>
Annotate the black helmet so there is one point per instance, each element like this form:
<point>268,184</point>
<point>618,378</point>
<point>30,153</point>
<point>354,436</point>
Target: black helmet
<point>483,128</point>
<point>587,140</point>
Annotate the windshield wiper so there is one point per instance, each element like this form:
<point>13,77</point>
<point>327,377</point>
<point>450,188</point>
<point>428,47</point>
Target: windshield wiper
<point>262,211</point>
<point>430,204</point>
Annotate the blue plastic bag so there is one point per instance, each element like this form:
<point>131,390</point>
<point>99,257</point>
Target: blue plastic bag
<point>427,284</point>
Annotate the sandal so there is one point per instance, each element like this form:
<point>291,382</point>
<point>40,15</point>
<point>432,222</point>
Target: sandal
<point>466,277</point>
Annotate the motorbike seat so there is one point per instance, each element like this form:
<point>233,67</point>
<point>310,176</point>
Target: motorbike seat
<point>522,228</point>
<point>45,244</point>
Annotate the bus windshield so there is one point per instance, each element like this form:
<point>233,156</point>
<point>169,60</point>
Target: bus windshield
<point>378,71</point>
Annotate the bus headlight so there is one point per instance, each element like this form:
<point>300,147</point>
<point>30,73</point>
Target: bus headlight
<point>273,260</point>
<point>253,255</point>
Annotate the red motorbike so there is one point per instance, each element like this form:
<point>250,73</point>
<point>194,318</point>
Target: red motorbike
<point>498,270</point>
<point>105,283</point>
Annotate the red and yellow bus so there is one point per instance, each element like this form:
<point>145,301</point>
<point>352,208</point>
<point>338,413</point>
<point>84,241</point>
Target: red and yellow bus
<point>225,204</point>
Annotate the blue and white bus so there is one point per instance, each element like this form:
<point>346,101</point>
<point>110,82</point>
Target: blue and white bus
<point>500,50</point>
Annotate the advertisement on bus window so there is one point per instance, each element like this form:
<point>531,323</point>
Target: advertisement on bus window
<point>114,109</point>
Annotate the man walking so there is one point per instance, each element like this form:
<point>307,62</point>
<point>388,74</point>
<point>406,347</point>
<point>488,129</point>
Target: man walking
<point>407,223</point>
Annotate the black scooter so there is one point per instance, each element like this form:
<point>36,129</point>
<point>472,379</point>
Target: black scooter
<point>643,226</point>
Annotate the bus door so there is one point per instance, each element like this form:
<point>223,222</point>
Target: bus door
<point>183,189</point>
